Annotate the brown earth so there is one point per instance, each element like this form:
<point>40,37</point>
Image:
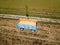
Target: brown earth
<point>46,34</point>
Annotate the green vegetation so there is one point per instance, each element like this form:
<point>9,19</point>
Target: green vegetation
<point>37,8</point>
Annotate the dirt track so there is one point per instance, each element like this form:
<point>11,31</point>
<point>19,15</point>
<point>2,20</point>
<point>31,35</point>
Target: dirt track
<point>37,18</point>
<point>47,34</point>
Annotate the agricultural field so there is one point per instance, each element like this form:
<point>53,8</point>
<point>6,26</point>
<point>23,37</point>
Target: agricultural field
<point>46,34</point>
<point>37,8</point>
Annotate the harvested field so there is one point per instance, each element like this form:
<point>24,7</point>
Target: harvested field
<point>46,34</point>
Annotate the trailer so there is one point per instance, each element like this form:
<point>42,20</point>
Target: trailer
<point>25,23</point>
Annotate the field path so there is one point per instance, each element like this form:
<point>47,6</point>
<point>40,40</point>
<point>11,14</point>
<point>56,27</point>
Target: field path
<point>39,19</point>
